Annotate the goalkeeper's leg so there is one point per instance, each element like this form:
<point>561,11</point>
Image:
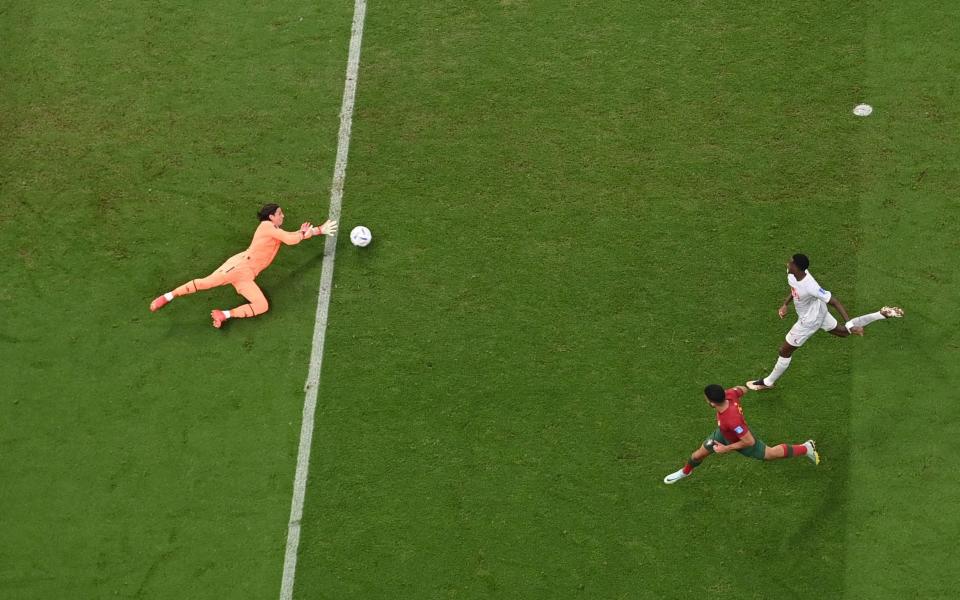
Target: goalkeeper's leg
<point>256,304</point>
<point>217,278</point>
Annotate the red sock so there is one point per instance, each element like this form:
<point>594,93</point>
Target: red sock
<point>687,469</point>
<point>794,450</point>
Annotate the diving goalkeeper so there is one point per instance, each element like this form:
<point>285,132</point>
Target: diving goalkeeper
<point>241,270</point>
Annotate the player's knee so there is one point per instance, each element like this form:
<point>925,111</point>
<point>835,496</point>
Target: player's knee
<point>704,451</point>
<point>260,306</point>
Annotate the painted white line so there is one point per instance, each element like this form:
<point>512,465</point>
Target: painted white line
<point>323,306</point>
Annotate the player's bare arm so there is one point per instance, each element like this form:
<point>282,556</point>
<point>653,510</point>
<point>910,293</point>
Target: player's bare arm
<point>785,306</point>
<point>834,302</point>
<point>744,442</point>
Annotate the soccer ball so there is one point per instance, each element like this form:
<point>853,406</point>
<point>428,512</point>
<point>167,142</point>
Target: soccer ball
<point>360,236</point>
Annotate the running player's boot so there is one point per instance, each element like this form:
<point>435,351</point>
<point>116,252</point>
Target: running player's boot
<point>758,385</point>
<point>891,311</point>
<point>158,303</point>
<point>675,477</point>
<point>218,318</point>
<point>812,453</point>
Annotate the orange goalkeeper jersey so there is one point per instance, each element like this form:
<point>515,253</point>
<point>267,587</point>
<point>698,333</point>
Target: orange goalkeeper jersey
<point>265,244</point>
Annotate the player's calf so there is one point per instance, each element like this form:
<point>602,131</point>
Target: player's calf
<point>259,306</point>
<point>780,451</point>
<point>857,324</point>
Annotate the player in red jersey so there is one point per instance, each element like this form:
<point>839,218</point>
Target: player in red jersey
<point>732,434</point>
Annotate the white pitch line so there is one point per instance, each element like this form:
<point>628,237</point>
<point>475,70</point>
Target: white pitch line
<point>323,306</point>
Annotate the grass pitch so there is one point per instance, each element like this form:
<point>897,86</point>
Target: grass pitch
<point>581,211</point>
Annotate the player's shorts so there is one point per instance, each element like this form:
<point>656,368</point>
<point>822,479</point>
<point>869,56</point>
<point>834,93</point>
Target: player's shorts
<point>235,270</point>
<point>801,332</point>
<point>757,451</point>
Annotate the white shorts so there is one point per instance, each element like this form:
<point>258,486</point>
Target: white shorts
<point>801,332</point>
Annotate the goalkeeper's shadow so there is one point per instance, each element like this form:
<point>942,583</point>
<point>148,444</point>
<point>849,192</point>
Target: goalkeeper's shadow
<point>298,272</point>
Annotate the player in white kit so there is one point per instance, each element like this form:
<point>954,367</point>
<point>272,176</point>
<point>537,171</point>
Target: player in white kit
<point>811,302</point>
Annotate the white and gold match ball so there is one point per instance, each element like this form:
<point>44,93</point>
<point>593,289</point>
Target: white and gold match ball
<point>862,110</point>
<point>360,236</point>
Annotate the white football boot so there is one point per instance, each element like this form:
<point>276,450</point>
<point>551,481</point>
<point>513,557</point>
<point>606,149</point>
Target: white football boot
<point>891,311</point>
<point>675,477</point>
<point>812,453</point>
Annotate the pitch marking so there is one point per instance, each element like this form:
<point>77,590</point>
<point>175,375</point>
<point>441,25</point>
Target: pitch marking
<point>323,306</point>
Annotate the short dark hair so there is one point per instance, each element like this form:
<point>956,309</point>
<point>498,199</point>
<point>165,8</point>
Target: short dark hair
<point>801,261</point>
<point>715,393</point>
<point>267,211</point>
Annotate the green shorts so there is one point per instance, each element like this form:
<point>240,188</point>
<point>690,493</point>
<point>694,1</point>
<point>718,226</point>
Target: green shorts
<point>757,451</point>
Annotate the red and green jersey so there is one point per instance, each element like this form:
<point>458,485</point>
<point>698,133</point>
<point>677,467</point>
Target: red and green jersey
<point>730,421</point>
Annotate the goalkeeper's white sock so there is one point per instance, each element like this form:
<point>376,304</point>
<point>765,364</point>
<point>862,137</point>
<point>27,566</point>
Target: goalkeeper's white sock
<point>778,370</point>
<point>864,320</point>
<point>168,296</point>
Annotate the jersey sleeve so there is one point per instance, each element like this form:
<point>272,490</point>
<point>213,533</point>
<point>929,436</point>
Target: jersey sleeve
<point>289,238</point>
<point>822,295</point>
<point>733,425</point>
<point>740,428</point>
<point>734,394</point>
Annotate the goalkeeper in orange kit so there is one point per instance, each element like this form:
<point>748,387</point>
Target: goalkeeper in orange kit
<point>241,269</point>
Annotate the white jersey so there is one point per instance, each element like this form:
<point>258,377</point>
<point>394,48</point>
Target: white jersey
<point>809,298</point>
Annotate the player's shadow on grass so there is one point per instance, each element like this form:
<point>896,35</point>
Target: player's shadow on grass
<point>296,273</point>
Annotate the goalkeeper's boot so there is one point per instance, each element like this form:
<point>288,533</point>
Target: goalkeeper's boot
<point>218,318</point>
<point>159,302</point>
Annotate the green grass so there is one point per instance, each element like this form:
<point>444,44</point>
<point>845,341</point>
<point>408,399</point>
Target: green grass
<point>148,455</point>
<point>903,485</point>
<point>581,212</point>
